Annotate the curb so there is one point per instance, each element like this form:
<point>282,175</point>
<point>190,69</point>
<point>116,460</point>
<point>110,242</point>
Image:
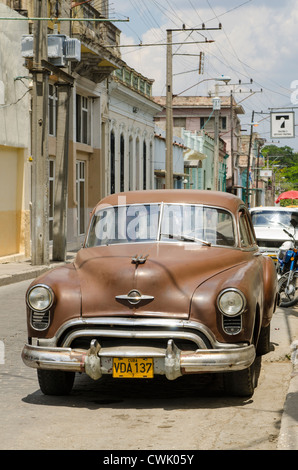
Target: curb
<point>11,273</point>
<point>18,277</point>
<point>288,436</point>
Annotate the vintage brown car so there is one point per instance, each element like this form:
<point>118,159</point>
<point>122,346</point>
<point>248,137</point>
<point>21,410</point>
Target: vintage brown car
<point>168,282</point>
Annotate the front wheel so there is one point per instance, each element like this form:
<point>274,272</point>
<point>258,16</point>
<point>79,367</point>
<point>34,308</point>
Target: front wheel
<point>241,383</point>
<point>55,382</point>
<point>288,290</point>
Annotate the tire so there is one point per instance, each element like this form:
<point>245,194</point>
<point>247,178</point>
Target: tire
<point>241,383</point>
<point>55,382</point>
<point>263,346</point>
<point>288,299</point>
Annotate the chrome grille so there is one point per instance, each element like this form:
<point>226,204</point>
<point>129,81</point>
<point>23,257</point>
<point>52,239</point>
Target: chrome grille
<point>232,325</point>
<point>40,320</point>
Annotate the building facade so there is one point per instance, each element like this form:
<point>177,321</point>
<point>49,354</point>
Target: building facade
<point>131,131</point>
<point>195,114</point>
<point>250,162</point>
<point>199,161</point>
<point>14,140</point>
<point>179,174</point>
<point>105,139</point>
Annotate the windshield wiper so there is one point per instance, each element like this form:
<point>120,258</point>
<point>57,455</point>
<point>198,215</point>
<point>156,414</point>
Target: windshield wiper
<point>185,238</point>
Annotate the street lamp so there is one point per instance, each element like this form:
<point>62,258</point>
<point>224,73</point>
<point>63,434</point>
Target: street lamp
<point>223,78</point>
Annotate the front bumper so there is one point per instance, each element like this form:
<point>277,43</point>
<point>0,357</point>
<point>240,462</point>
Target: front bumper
<point>171,362</point>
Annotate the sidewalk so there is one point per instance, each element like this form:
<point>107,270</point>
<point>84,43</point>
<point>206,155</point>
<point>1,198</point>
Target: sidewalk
<point>16,271</point>
<point>288,435</point>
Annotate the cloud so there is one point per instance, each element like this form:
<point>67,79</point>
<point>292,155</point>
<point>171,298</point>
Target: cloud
<point>254,41</point>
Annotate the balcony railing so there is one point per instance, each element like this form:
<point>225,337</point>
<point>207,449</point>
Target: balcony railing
<point>134,80</point>
<point>99,33</point>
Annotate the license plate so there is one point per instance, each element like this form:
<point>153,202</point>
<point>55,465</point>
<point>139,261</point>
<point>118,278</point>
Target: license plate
<point>133,367</point>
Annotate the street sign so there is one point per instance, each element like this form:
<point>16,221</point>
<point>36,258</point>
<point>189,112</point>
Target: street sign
<point>282,125</point>
<point>265,173</point>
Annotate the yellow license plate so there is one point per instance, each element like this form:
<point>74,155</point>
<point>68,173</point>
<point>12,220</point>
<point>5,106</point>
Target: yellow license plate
<point>133,367</point>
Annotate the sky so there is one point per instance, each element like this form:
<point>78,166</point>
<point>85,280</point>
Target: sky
<point>257,41</point>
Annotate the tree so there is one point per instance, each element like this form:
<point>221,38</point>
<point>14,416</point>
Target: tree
<point>284,161</point>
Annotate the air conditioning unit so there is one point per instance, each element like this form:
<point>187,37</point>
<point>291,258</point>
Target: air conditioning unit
<point>72,49</point>
<point>56,49</point>
<point>27,46</point>
<point>61,49</point>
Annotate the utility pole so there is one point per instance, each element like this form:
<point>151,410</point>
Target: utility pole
<point>61,173</point>
<point>169,114</point>
<point>232,144</point>
<point>216,108</point>
<point>64,87</point>
<point>40,180</point>
<point>248,159</point>
<point>169,102</point>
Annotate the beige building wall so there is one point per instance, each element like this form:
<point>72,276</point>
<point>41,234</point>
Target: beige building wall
<point>14,139</point>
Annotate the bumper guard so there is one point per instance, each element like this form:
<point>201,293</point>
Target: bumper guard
<point>171,362</point>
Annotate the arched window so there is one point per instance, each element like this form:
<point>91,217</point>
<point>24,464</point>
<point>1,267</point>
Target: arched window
<point>144,165</point>
<point>137,163</point>
<point>112,176</point>
<point>122,163</point>
<point>131,164</point>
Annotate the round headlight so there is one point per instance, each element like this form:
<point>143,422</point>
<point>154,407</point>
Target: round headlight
<point>231,302</point>
<point>40,298</point>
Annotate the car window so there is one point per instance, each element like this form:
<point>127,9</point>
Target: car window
<point>179,222</point>
<point>246,234</point>
<point>209,224</point>
<point>124,224</point>
<point>272,218</point>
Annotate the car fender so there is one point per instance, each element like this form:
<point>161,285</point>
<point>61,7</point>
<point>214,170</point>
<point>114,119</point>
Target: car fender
<point>248,278</point>
<point>270,289</point>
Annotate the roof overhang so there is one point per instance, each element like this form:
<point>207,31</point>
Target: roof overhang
<point>190,155</point>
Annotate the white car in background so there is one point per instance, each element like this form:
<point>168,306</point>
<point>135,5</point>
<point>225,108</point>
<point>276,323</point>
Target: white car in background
<point>269,224</point>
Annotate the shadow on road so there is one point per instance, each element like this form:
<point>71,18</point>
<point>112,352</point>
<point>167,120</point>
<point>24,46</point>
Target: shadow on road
<point>200,391</point>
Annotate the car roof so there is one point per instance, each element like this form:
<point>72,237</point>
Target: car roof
<point>182,196</point>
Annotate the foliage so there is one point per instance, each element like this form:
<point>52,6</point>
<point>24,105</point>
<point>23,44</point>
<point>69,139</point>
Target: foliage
<point>284,161</point>
<point>289,202</point>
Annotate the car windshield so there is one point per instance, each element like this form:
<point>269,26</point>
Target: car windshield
<point>263,217</point>
<point>138,223</point>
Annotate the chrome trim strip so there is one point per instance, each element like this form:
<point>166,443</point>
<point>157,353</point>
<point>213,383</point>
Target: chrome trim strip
<point>133,323</point>
<point>134,334</point>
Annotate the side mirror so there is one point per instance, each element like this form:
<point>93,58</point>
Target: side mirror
<point>293,222</point>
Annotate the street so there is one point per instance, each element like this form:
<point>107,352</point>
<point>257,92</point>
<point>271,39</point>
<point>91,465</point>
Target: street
<point>189,413</point>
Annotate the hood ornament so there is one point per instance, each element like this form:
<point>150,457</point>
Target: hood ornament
<point>139,259</point>
<point>134,297</point>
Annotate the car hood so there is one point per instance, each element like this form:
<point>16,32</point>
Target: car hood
<point>269,232</point>
<point>167,278</point>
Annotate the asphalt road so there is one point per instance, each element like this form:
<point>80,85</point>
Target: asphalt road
<point>190,413</point>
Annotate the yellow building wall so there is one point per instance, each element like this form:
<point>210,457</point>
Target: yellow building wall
<point>14,220</point>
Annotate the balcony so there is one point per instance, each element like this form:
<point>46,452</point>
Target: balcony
<point>134,80</point>
<point>100,55</point>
